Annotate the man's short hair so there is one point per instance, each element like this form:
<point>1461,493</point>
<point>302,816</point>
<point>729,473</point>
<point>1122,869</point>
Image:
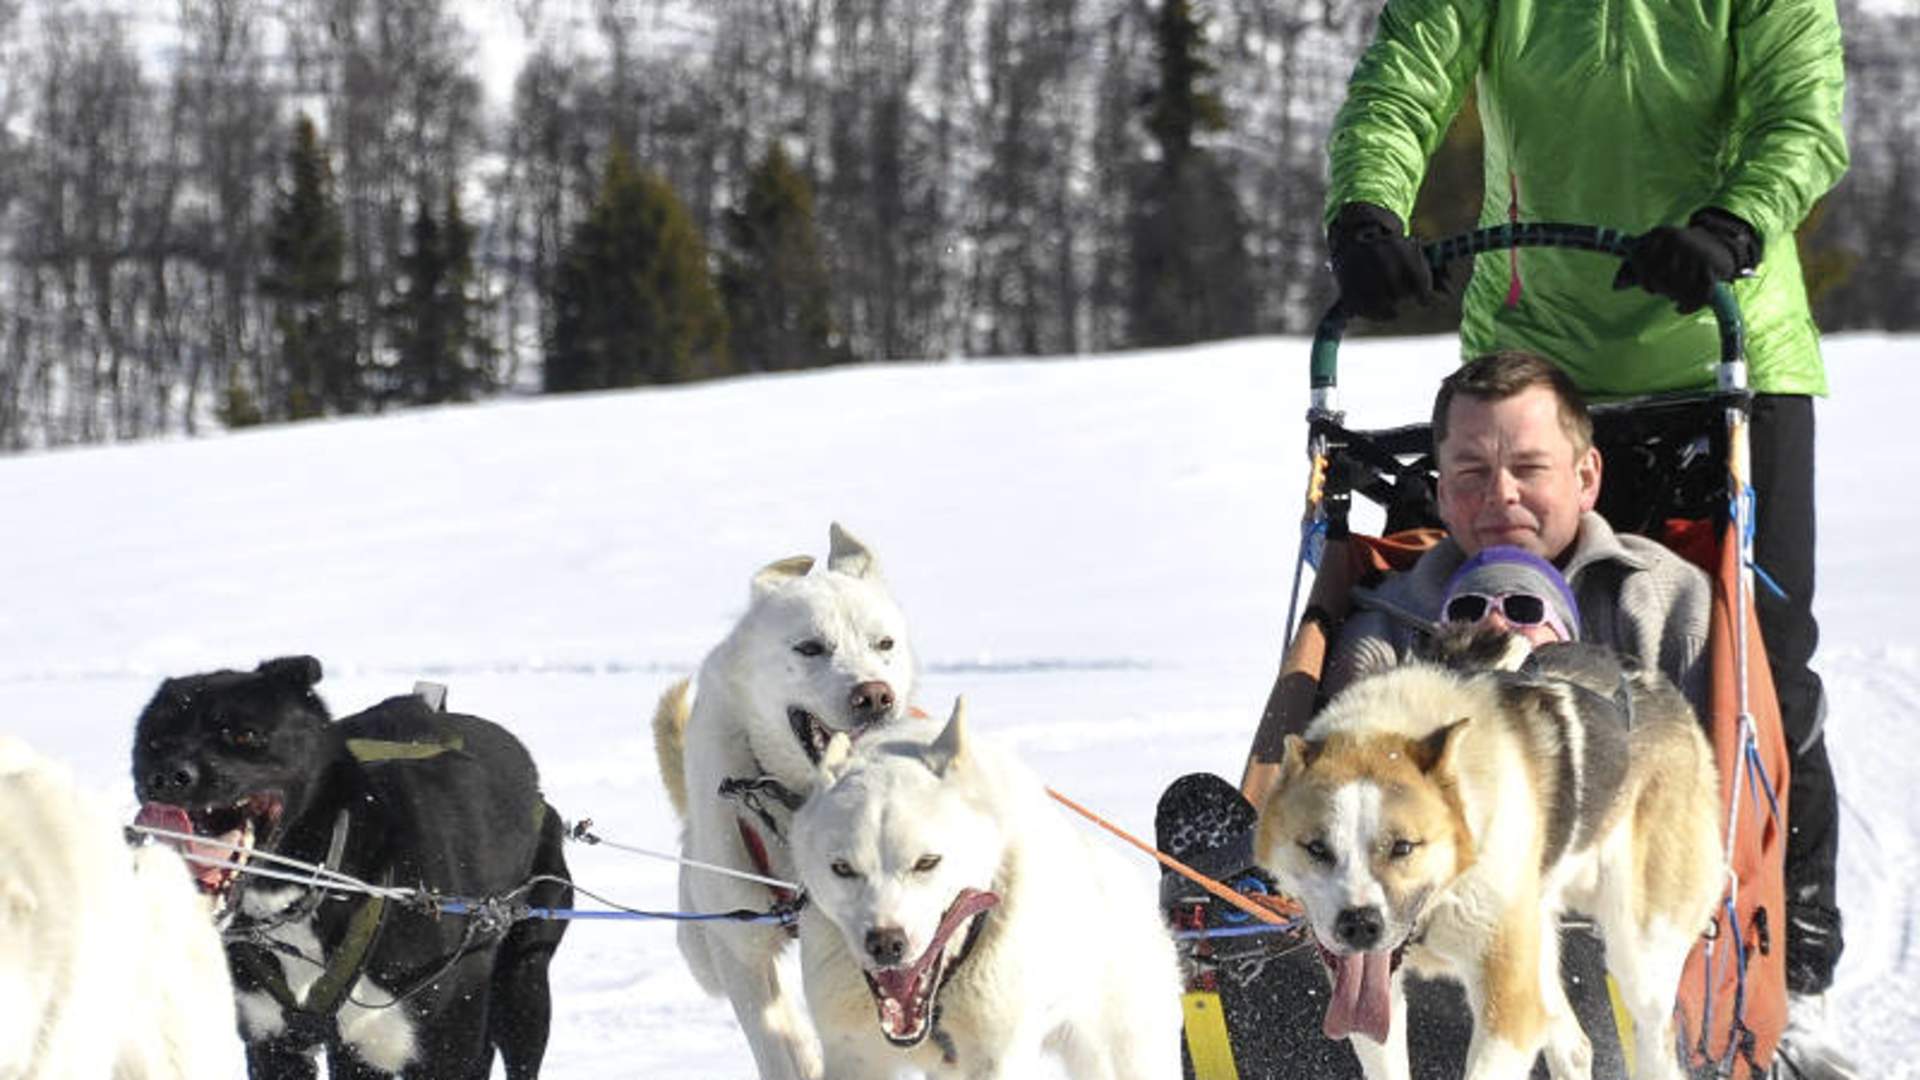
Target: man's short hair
<point>1498,376</point>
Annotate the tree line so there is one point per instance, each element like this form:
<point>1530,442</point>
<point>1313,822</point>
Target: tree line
<point>227,212</point>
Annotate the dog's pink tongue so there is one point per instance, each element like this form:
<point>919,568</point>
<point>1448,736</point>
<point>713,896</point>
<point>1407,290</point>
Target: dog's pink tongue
<point>1361,1000</point>
<point>174,819</point>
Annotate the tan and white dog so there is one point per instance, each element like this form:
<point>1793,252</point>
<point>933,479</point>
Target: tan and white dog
<point>1450,817</point>
<point>818,653</point>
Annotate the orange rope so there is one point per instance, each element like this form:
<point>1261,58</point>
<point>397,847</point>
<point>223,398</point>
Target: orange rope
<point>1275,915</point>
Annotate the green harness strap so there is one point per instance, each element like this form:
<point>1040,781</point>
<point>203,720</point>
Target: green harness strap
<point>363,929</point>
<point>376,751</point>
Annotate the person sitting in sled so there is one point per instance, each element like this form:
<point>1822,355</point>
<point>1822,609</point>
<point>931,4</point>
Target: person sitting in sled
<point>1517,467</point>
<point>1513,590</point>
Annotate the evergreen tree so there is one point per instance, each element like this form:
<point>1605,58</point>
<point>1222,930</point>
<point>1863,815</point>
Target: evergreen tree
<point>306,248</point>
<point>441,345</point>
<point>1192,280</point>
<point>633,300</point>
<point>774,279</point>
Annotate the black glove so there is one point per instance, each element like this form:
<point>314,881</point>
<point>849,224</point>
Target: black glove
<point>1378,267</point>
<point>1682,264</point>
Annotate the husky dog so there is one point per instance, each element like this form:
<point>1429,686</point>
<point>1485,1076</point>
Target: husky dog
<point>1450,817</point>
<point>958,924</point>
<point>250,763</point>
<point>110,965</point>
<point>814,655</point>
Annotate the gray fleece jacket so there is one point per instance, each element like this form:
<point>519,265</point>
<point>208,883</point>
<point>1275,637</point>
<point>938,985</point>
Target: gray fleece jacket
<point>1635,595</point>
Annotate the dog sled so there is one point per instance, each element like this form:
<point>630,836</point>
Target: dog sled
<point>1677,472</point>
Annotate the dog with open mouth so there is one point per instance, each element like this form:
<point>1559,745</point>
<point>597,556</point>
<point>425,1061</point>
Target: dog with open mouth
<point>958,924</point>
<point>248,769</point>
<point>819,652</point>
<point>1448,818</point>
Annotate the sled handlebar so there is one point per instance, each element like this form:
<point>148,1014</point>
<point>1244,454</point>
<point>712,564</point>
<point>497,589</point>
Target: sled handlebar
<point>1595,238</point>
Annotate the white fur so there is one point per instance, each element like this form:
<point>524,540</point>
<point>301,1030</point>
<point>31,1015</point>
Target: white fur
<point>109,962</point>
<point>738,727</point>
<point>1075,962</point>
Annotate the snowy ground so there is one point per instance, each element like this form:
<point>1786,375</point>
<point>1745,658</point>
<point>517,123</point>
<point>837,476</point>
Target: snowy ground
<point>1095,551</point>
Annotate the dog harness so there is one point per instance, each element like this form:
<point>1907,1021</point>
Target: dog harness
<point>749,794</point>
<point>315,1019</point>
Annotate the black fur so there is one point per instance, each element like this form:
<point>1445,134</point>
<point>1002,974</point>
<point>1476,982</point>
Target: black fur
<point>458,811</point>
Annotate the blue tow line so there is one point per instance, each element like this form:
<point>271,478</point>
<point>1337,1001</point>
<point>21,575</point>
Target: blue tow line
<point>465,907</point>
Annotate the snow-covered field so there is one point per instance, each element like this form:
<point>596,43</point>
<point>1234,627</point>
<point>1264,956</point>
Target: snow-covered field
<point>1096,552</point>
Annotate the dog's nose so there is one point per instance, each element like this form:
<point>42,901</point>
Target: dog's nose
<point>171,778</point>
<point>1359,927</point>
<point>887,945</point>
<point>871,701</point>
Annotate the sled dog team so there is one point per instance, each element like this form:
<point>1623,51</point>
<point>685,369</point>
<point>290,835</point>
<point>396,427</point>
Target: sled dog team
<point>953,921</point>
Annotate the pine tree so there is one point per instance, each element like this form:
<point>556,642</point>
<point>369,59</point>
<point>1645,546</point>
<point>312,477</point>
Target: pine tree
<point>774,279</point>
<point>633,299</point>
<point>1192,280</point>
<point>440,342</point>
<point>306,246</point>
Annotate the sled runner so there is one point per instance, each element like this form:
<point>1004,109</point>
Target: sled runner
<point>1676,471</point>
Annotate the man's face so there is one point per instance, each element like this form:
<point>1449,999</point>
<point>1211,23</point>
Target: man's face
<point>1509,475</point>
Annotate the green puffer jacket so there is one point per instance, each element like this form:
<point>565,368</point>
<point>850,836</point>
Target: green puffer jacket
<point>1624,113</point>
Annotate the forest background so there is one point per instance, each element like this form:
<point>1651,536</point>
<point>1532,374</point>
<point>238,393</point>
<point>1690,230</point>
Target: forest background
<point>217,213</point>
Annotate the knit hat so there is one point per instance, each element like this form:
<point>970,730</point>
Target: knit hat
<point>1499,572</point>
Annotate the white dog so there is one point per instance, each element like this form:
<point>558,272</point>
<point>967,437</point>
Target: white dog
<point>958,923</point>
<point>815,654</point>
<point>110,965</point>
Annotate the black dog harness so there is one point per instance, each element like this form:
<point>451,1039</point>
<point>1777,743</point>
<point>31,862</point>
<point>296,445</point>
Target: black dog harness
<point>316,1018</point>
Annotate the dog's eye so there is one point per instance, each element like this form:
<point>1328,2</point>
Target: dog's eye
<point>842,869</point>
<point>810,647</point>
<point>1318,851</point>
<point>1403,848</point>
<point>885,644</point>
<point>926,864</point>
<point>243,738</point>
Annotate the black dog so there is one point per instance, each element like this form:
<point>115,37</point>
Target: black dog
<point>399,795</point>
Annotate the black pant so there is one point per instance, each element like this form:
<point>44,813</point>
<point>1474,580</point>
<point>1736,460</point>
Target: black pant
<point>1289,1002</point>
<point>1783,546</point>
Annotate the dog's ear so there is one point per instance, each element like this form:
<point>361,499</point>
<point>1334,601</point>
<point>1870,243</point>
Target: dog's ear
<point>297,672</point>
<point>951,747</point>
<point>1434,754</point>
<point>778,573</point>
<point>1295,757</point>
<point>847,555</point>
